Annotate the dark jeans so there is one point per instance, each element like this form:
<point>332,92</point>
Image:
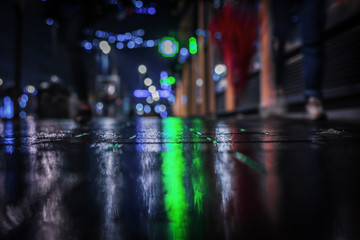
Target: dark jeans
<point>312,16</point>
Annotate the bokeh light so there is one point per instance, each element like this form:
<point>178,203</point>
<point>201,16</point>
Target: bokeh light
<point>148,81</point>
<point>151,10</point>
<point>138,40</point>
<point>220,69</point>
<point>184,52</point>
<point>147,109</point>
<point>150,43</point>
<point>199,82</point>
<point>128,36</point>
<point>142,69</point>
<point>30,89</point>
<point>152,89</point>
<point>163,75</point>
<point>120,37</point>
<point>168,47</point>
<point>50,21</point>
<point>139,4</point>
<point>192,45</point>
<point>140,32</point>
<point>149,100</point>
<point>112,39</point>
<point>130,44</point>
<point>140,93</point>
<point>139,107</point>
<point>88,45</point>
<point>105,47</point>
<point>22,114</point>
<point>119,45</point>
<point>99,106</point>
<point>164,114</point>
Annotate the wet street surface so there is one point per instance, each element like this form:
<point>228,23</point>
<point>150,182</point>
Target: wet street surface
<point>174,178</point>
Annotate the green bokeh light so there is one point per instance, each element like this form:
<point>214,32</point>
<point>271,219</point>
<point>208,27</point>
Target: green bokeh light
<point>168,47</point>
<point>168,81</point>
<point>192,45</point>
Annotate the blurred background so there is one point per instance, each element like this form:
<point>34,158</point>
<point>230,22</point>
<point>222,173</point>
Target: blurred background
<point>164,58</point>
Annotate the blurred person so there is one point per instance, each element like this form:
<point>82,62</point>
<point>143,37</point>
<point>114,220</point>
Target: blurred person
<point>312,19</point>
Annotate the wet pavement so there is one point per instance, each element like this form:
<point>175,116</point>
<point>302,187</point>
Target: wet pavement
<point>174,178</point>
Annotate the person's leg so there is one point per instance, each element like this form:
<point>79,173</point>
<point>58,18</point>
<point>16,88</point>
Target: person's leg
<point>280,10</point>
<point>312,24</point>
<point>280,17</point>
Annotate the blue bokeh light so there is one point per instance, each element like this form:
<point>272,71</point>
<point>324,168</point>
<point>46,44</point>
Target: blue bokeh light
<point>139,107</point>
<point>184,52</point>
<point>147,109</point>
<point>88,46</point>
<point>164,114</point>
<point>151,10</point>
<point>50,21</point>
<point>112,39</point>
<point>119,45</point>
<point>128,36</point>
<point>120,37</point>
<point>138,40</point>
<point>22,114</point>
<point>131,44</point>
<point>140,32</point>
<point>8,108</point>
<point>141,93</point>
<point>164,75</point>
<point>139,4</point>
<point>150,43</point>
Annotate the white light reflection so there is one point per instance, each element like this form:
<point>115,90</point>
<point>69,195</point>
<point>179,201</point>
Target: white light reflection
<point>222,164</point>
<point>110,180</point>
<point>44,185</point>
<point>148,150</point>
<point>31,136</point>
<point>44,174</point>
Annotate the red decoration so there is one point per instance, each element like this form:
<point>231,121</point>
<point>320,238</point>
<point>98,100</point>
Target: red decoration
<point>237,25</point>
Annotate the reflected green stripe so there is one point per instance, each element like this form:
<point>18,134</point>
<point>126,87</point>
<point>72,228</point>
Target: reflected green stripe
<point>132,137</point>
<point>198,173</point>
<point>173,169</point>
<point>250,162</point>
<point>112,147</point>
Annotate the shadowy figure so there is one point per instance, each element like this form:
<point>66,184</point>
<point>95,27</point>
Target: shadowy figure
<point>312,18</point>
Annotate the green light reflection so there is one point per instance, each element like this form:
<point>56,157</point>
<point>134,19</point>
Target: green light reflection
<point>198,172</point>
<point>173,170</point>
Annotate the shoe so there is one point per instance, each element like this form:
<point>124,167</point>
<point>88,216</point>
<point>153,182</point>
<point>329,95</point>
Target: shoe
<point>84,114</point>
<point>276,110</point>
<point>315,110</point>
